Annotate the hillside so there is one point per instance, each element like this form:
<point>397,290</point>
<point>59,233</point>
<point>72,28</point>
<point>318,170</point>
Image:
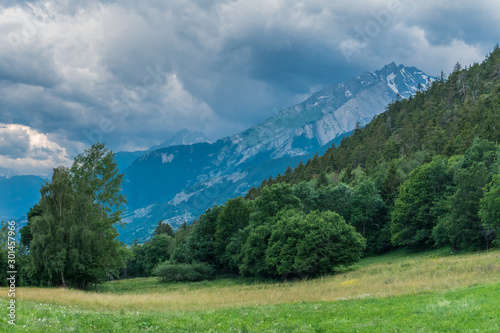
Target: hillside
<point>400,291</point>
<point>442,120</point>
<point>182,137</point>
<point>424,174</point>
<point>178,183</point>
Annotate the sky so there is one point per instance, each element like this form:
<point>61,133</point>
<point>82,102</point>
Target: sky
<point>132,73</point>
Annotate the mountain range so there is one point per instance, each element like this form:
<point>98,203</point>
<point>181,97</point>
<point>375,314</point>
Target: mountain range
<point>182,137</point>
<point>180,178</point>
<point>17,195</point>
<point>176,183</point>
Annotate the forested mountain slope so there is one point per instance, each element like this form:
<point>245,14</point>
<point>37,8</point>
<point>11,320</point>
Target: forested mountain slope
<point>178,183</point>
<point>442,120</point>
<point>423,174</point>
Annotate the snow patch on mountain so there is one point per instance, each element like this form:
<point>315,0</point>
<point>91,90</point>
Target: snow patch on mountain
<point>391,84</point>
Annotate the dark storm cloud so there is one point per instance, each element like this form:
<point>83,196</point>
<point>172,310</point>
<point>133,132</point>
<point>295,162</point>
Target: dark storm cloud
<point>132,73</point>
<point>472,22</point>
<point>14,142</point>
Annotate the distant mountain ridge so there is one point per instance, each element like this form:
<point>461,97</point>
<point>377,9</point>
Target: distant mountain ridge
<point>333,111</point>
<point>18,194</point>
<point>178,183</point>
<point>182,137</point>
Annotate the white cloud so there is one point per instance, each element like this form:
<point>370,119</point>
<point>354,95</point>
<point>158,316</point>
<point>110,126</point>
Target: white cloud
<point>24,150</point>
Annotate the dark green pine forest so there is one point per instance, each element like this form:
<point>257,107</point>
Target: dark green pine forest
<point>423,174</point>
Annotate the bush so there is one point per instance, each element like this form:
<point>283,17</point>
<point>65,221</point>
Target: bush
<point>312,244</point>
<point>168,272</point>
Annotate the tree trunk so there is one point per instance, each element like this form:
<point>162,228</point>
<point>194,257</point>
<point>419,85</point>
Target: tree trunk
<point>95,286</point>
<point>62,279</point>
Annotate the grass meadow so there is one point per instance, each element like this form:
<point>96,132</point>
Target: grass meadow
<point>398,292</point>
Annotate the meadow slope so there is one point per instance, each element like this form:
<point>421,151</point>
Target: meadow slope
<point>398,291</point>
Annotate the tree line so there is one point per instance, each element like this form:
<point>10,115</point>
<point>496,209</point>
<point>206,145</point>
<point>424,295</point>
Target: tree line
<point>328,223</point>
<point>422,174</point>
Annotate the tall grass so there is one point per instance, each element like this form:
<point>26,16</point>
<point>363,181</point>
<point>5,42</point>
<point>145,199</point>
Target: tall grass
<point>464,310</point>
<point>383,276</point>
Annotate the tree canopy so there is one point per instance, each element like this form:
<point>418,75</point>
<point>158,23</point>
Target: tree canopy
<point>74,238</point>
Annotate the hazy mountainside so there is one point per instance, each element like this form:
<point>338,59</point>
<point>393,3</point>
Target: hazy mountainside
<point>182,137</point>
<point>178,183</point>
<point>330,112</point>
<point>442,120</point>
<point>18,194</point>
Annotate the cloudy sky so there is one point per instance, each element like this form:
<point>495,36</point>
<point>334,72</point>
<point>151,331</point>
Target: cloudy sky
<point>132,73</point>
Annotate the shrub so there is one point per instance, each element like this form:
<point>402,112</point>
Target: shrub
<point>312,244</point>
<point>168,272</point>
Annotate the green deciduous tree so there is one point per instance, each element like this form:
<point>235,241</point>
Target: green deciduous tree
<point>490,208</point>
<point>368,215</point>
<point>462,224</point>
<point>136,265</point>
<point>74,238</point>
<point>335,198</point>
<point>55,252</point>
<point>304,192</point>
<point>271,201</point>
<point>202,240</point>
<point>416,210</point>
<point>235,215</point>
<point>253,251</point>
<point>25,231</point>
<point>157,250</point>
<point>311,244</point>
<point>181,253</point>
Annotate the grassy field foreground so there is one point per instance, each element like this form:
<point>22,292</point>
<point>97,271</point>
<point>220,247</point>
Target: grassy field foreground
<point>431,291</point>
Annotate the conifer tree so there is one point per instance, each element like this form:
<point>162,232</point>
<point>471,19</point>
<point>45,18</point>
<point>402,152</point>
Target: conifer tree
<point>321,180</point>
<point>164,228</point>
<point>391,183</point>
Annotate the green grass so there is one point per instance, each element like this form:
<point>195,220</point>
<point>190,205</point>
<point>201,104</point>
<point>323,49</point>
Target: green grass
<point>398,292</point>
<point>403,255</point>
<point>467,310</point>
<point>151,284</point>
